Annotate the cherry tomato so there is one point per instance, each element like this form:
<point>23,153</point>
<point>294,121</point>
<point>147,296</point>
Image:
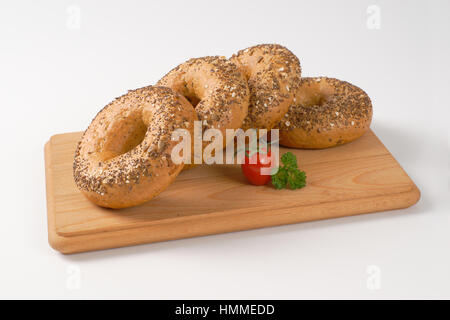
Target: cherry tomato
<point>253,164</point>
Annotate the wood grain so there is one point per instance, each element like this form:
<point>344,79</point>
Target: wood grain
<point>360,177</point>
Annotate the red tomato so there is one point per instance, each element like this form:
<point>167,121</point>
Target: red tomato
<point>253,164</point>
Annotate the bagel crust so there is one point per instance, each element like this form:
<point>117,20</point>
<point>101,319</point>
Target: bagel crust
<point>216,88</point>
<point>124,157</point>
<point>273,73</point>
<point>326,112</point>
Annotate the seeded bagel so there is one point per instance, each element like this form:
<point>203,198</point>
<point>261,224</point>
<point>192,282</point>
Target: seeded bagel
<point>124,157</point>
<point>215,87</point>
<point>326,112</point>
<point>272,72</point>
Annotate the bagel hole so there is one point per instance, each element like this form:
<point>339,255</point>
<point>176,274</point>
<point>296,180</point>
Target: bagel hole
<point>193,99</point>
<point>315,95</point>
<point>123,136</point>
<point>318,99</point>
<point>188,90</point>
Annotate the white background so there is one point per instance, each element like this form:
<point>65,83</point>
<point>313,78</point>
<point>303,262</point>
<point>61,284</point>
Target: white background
<point>57,72</point>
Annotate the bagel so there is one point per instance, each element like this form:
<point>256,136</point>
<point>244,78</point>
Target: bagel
<point>326,112</point>
<point>272,72</point>
<point>215,87</point>
<point>124,156</point>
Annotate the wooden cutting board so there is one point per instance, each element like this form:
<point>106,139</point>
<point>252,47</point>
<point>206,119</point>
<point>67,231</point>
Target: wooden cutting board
<point>360,177</point>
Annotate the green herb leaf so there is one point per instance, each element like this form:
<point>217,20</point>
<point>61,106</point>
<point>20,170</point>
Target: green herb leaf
<point>288,174</point>
<point>297,179</point>
<point>280,179</point>
<point>289,160</point>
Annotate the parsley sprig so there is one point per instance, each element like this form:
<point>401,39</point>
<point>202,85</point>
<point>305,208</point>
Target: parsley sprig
<point>288,174</point>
